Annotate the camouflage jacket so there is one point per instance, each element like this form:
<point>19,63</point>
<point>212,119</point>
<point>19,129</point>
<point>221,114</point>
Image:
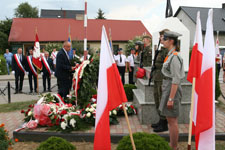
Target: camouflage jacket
<point>157,74</point>
<point>147,56</point>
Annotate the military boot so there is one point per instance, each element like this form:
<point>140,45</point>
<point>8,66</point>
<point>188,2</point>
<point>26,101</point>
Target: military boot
<point>155,125</point>
<point>162,127</point>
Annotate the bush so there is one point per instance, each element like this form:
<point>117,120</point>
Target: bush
<point>144,141</point>
<point>56,143</point>
<point>128,90</point>
<point>3,68</point>
<point>4,138</point>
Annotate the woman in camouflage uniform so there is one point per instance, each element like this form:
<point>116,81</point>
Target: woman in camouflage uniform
<point>173,72</point>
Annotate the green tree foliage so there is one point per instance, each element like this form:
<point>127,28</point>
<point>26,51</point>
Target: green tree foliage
<point>25,10</point>
<point>5,26</point>
<point>100,14</point>
<point>3,68</point>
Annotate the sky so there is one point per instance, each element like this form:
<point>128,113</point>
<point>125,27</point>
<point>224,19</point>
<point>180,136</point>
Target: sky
<point>150,12</point>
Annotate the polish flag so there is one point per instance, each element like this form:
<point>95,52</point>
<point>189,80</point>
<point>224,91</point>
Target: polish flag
<point>204,104</point>
<point>110,94</point>
<point>37,54</point>
<point>218,57</point>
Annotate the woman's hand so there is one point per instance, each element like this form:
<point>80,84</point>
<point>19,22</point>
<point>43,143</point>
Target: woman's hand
<point>170,104</point>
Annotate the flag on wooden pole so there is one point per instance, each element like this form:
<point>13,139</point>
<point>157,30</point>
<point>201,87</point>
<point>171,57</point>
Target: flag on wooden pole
<point>110,94</point>
<point>204,109</point>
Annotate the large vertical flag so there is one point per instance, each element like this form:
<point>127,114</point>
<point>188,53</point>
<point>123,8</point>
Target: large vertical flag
<point>204,106</point>
<point>37,54</point>
<point>70,53</point>
<point>110,94</point>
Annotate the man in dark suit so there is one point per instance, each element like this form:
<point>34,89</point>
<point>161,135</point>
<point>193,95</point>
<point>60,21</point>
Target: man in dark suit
<point>47,70</point>
<point>18,69</point>
<point>64,70</point>
<point>32,72</point>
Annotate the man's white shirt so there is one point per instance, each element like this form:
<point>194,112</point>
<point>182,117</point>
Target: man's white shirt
<point>130,59</point>
<point>123,62</point>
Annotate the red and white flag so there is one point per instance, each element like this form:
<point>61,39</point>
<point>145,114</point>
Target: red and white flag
<point>204,98</point>
<point>110,94</point>
<point>37,54</point>
<point>218,57</point>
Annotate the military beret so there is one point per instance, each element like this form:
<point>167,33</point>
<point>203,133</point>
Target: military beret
<point>172,34</point>
<point>163,31</point>
<point>139,43</point>
<point>132,49</point>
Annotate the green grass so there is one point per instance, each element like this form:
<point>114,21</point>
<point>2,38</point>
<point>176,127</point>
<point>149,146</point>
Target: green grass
<point>15,106</point>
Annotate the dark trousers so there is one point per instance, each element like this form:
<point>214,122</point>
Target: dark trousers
<point>131,75</point>
<point>64,87</point>
<point>122,73</point>
<point>46,76</point>
<point>31,76</point>
<point>19,76</point>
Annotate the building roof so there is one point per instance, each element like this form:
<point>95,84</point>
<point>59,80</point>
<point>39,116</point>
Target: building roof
<point>55,29</point>
<point>48,13</point>
<point>218,16</point>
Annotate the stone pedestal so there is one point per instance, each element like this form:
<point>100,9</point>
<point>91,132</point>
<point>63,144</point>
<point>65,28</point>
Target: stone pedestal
<point>144,101</point>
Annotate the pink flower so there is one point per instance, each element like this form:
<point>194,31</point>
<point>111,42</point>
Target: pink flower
<point>32,124</point>
<point>45,109</point>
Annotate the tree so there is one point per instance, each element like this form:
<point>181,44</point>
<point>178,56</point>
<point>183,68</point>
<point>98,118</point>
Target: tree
<point>25,10</point>
<point>100,14</point>
<point>5,27</point>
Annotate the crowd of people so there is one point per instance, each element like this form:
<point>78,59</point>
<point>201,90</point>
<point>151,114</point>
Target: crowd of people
<point>167,73</point>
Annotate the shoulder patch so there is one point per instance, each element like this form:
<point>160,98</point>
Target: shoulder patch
<point>175,53</point>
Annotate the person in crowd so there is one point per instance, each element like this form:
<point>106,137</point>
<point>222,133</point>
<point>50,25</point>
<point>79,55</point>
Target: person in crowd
<point>53,56</point>
<point>86,56</point>
<point>8,57</point>
<point>121,64</point>
<point>173,71</point>
<point>47,71</point>
<point>157,78</point>
<point>32,72</point>
<point>64,70</point>
<point>18,69</point>
<point>130,61</point>
<point>146,55</point>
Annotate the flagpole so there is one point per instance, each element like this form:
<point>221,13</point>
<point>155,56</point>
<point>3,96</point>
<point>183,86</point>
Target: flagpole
<point>85,26</point>
<point>38,71</point>
<point>129,128</point>
<point>191,114</point>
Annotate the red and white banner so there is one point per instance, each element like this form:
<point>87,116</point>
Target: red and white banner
<point>61,101</point>
<point>45,62</point>
<point>19,63</point>
<point>204,98</point>
<point>37,54</point>
<point>31,66</point>
<point>110,94</point>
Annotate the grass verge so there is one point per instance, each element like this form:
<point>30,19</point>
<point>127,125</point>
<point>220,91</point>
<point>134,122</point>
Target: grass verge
<point>15,106</point>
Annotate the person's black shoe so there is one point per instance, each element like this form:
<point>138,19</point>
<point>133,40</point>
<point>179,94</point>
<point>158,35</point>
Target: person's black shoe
<point>162,127</point>
<point>50,90</point>
<point>16,92</point>
<point>155,125</point>
<point>20,92</point>
<point>31,92</point>
<point>44,91</point>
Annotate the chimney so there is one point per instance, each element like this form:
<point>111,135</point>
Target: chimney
<point>223,5</point>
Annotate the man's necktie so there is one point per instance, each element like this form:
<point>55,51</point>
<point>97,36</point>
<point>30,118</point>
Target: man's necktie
<point>120,58</point>
<point>133,57</point>
<point>20,58</point>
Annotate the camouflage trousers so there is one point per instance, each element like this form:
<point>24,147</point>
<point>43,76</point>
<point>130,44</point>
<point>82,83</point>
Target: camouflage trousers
<point>157,97</point>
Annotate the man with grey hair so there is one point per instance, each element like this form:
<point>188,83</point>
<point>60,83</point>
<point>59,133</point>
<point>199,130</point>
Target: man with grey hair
<point>64,70</point>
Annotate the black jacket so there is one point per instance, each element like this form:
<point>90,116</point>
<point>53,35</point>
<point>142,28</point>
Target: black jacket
<point>50,63</point>
<point>28,67</point>
<point>63,67</point>
<point>15,67</point>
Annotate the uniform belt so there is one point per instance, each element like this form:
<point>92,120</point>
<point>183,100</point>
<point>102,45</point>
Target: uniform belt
<point>167,78</point>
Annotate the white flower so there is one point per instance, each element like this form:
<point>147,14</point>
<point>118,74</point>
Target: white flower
<point>63,125</point>
<point>91,110</point>
<point>72,122</point>
<point>88,114</point>
<point>52,117</point>
<point>110,113</point>
<point>94,105</point>
<point>65,117</point>
<point>114,112</point>
<point>30,113</point>
<point>87,109</point>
